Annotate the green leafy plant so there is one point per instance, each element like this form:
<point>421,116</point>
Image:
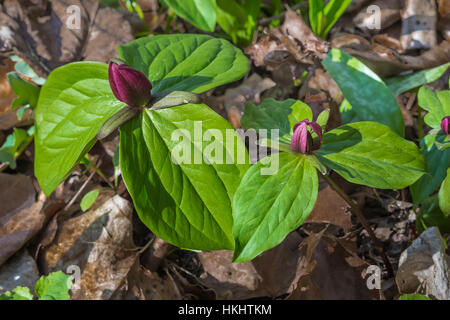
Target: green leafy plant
<point>55,286</point>
<point>268,207</point>
<point>323,17</point>
<point>435,210</point>
<point>413,297</point>
<point>237,18</point>
<point>187,204</point>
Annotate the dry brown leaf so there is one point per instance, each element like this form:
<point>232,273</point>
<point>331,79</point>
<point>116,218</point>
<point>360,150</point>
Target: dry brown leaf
<point>229,280</point>
<point>386,66</point>
<point>264,276</point>
<point>100,243</point>
<point>249,90</point>
<point>331,270</point>
<point>141,284</point>
<point>444,7</point>
<point>331,208</point>
<point>21,217</point>
<point>38,32</point>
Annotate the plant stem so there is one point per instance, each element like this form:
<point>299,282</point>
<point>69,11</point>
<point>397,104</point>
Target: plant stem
<point>19,151</point>
<point>98,171</point>
<point>354,208</point>
<point>419,123</point>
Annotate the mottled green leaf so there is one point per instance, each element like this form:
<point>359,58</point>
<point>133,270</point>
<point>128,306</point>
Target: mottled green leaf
<point>370,98</point>
<point>399,85</point>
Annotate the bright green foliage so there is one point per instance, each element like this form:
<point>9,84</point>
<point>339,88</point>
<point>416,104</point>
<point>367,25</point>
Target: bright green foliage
<point>372,101</point>
<point>268,207</point>
<point>372,154</point>
<point>437,163</point>
<point>19,293</point>
<point>239,19</point>
<point>444,195</point>
<point>27,93</point>
<point>399,85</point>
<point>55,286</point>
<point>89,199</point>
<point>272,114</point>
<point>73,105</point>
<point>200,13</point>
<point>413,297</point>
<point>15,142</point>
<point>189,204</point>
<point>185,62</point>
<point>437,105</point>
<point>323,17</point>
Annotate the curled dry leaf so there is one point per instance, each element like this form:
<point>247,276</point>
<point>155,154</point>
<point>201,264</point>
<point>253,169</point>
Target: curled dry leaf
<point>331,270</point>
<point>264,276</point>
<point>50,33</point>
<point>292,43</point>
<point>100,243</point>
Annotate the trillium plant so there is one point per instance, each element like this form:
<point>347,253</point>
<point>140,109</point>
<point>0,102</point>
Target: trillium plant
<point>185,167</point>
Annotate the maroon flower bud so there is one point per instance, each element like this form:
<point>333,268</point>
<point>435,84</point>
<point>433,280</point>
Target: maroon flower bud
<point>129,85</point>
<point>302,141</point>
<point>444,124</point>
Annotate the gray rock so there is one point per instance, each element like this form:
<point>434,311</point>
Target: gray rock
<point>19,270</point>
<point>424,267</point>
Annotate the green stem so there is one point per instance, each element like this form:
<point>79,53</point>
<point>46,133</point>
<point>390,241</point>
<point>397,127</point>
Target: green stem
<point>19,151</point>
<point>354,208</point>
<point>420,123</point>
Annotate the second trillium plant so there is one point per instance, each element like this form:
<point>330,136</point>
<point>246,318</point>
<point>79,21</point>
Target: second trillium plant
<point>267,208</point>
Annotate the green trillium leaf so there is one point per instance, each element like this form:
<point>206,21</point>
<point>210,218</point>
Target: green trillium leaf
<point>269,206</point>
<point>185,62</point>
<point>371,154</point>
<point>74,103</point>
<point>180,197</point>
<point>372,101</point>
